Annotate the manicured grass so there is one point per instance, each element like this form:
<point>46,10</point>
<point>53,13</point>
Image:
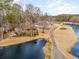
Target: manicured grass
<point>57,22</point>
<point>63,28</point>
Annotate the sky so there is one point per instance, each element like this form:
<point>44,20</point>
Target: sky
<point>53,7</point>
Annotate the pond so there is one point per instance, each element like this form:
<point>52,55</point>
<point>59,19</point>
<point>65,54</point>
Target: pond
<point>28,50</point>
<point>75,49</point>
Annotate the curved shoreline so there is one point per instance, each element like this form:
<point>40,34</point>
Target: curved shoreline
<point>65,39</point>
<point>71,23</point>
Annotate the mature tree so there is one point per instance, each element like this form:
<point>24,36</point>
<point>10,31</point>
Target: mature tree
<point>32,14</point>
<point>45,17</point>
<point>4,6</point>
<point>15,17</point>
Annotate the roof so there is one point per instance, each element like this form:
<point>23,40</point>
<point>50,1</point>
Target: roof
<point>45,24</point>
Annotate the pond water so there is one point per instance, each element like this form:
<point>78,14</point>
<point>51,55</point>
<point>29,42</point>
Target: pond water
<point>28,50</point>
<point>75,49</point>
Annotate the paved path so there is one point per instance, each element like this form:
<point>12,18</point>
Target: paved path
<point>62,40</point>
<point>55,52</point>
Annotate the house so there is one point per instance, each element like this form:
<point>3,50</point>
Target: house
<point>43,24</point>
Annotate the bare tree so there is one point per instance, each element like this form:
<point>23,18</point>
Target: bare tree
<point>32,14</point>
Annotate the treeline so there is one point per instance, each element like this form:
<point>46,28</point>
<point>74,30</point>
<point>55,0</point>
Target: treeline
<point>67,17</point>
<point>14,19</point>
<point>15,15</point>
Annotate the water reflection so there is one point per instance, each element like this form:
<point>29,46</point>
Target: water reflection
<point>28,50</point>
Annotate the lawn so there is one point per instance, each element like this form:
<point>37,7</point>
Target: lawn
<point>57,22</point>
